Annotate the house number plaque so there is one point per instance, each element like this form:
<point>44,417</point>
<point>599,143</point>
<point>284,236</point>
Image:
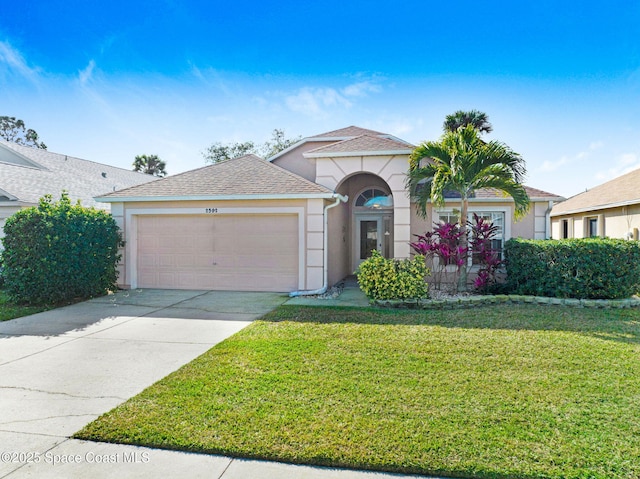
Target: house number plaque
<point>211,210</point>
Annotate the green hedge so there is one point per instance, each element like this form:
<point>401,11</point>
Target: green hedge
<point>381,278</point>
<point>57,252</point>
<point>594,268</point>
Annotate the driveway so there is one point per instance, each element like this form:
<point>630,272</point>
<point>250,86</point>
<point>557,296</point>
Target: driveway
<point>61,369</point>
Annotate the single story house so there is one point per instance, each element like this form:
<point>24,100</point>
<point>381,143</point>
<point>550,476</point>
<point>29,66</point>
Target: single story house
<point>300,221</point>
<point>611,209</point>
<point>27,174</point>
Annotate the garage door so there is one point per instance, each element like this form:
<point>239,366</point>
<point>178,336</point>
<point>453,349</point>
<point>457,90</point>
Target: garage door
<point>222,252</point>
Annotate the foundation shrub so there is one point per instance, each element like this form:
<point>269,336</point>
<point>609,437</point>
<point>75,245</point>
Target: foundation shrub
<point>58,252</point>
<point>381,278</point>
<point>595,268</point>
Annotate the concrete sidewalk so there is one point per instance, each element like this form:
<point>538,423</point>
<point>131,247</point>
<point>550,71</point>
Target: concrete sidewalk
<point>61,369</point>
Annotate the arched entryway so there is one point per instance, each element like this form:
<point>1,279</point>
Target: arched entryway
<point>373,221</point>
<point>368,218</point>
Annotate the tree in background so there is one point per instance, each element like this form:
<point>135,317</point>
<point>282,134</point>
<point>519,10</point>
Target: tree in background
<point>150,164</point>
<point>461,119</point>
<point>277,144</point>
<point>220,151</point>
<point>15,131</point>
<point>462,163</point>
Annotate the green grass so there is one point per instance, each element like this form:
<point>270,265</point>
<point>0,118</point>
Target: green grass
<point>506,391</point>
<point>9,310</point>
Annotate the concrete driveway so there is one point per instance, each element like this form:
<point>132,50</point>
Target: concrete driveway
<point>61,369</point>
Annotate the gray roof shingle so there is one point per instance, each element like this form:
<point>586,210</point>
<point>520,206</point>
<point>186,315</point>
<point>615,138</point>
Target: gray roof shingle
<point>245,176</point>
<point>362,144</point>
<point>620,191</point>
<point>348,132</point>
<point>27,174</point>
<point>534,193</point>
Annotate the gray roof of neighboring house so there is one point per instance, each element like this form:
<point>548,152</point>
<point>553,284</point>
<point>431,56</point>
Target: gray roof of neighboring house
<point>27,174</point>
<point>621,191</point>
<point>360,145</point>
<point>240,178</point>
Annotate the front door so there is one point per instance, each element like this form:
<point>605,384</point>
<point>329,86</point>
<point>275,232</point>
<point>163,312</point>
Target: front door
<point>371,235</point>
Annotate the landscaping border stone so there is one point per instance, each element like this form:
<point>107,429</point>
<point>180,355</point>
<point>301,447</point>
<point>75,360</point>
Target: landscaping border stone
<point>475,301</point>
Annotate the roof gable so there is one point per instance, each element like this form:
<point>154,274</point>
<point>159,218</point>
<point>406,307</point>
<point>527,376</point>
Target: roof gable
<point>617,192</point>
<point>42,172</point>
<point>239,178</point>
<point>12,156</point>
<point>361,145</point>
<point>342,134</point>
<point>348,132</point>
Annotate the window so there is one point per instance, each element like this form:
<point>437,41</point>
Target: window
<point>593,227</point>
<point>495,217</point>
<point>374,198</point>
<point>565,229</point>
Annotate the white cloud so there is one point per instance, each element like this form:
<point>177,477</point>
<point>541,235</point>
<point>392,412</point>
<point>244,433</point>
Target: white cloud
<point>316,102</point>
<point>623,164</point>
<point>553,165</point>
<point>360,89</point>
<point>85,75</point>
<point>13,63</point>
<point>320,102</point>
<point>213,78</point>
<point>549,165</point>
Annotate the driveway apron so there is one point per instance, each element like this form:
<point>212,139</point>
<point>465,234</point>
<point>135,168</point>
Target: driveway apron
<point>61,369</point>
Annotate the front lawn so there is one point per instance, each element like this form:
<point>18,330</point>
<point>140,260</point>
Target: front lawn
<point>507,391</point>
<point>9,310</point>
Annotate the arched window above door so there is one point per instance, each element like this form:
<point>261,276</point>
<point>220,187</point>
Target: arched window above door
<point>374,198</point>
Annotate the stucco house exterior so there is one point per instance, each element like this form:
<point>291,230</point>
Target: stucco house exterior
<point>611,209</point>
<point>27,174</point>
<point>300,221</point>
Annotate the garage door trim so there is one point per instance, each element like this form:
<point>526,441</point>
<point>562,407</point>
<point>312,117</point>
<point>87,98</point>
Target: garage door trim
<point>131,231</point>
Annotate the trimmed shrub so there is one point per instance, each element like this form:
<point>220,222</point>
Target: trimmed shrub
<point>57,252</point>
<point>382,278</point>
<point>594,268</point>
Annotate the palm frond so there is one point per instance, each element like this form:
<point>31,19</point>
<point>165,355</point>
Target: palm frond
<point>462,162</point>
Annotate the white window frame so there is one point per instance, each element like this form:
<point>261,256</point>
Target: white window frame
<point>506,227</point>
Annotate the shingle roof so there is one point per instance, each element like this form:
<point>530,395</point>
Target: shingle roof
<point>347,132</point>
<point>620,191</point>
<point>362,144</point>
<point>494,194</point>
<point>45,172</point>
<point>532,192</point>
<point>245,176</point>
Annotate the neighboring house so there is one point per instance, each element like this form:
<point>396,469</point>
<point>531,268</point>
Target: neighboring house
<point>611,209</point>
<point>27,174</point>
<point>303,220</point>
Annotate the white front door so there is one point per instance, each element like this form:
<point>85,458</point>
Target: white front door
<point>370,234</point>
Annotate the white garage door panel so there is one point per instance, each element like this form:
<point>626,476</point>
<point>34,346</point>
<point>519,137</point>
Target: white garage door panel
<point>226,252</point>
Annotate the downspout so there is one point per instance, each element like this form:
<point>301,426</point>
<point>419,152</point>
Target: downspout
<point>325,284</point>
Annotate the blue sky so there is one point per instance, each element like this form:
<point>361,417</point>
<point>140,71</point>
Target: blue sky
<point>106,81</point>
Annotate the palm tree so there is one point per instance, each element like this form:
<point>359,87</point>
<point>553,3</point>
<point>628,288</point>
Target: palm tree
<point>150,164</point>
<point>462,163</point>
<point>461,119</point>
